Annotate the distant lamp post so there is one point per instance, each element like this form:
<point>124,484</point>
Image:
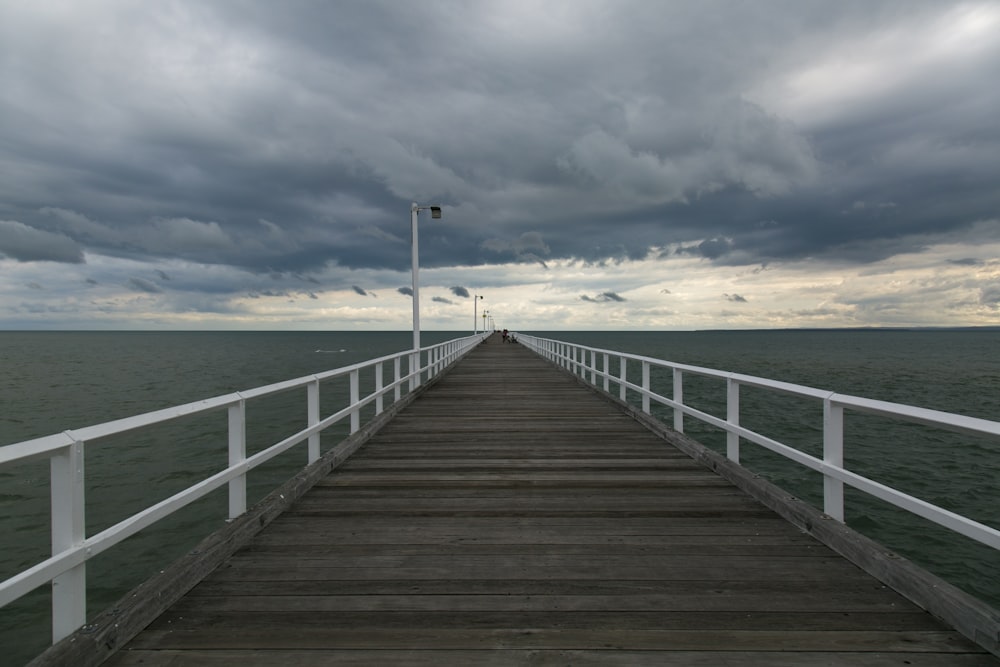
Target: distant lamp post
<point>475,323</point>
<point>415,357</point>
<point>486,314</point>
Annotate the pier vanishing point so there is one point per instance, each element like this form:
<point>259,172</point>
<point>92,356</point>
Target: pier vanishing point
<point>512,515</point>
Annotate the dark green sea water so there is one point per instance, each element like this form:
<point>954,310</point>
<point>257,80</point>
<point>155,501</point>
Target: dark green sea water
<point>52,381</point>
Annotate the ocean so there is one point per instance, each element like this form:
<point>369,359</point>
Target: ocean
<point>53,381</point>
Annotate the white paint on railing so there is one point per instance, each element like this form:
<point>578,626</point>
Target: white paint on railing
<point>238,454</point>
<point>733,418</point>
<point>379,380</point>
<point>678,378</point>
<point>396,384</point>
<point>835,476</point>
<point>68,527</point>
<point>607,371</point>
<point>622,377</point>
<point>833,455</point>
<point>355,380</point>
<point>645,386</point>
<point>312,418</point>
<point>71,548</point>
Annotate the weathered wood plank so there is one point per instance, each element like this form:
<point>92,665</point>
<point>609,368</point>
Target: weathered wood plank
<point>636,594</point>
<point>315,631</point>
<point>504,658</point>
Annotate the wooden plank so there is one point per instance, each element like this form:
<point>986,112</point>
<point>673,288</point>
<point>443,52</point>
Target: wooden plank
<point>504,658</point>
<point>315,631</point>
<point>636,594</point>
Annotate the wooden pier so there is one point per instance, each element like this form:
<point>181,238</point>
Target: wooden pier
<point>511,516</point>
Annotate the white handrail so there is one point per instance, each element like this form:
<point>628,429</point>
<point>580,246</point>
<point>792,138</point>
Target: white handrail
<point>72,548</point>
<point>573,357</point>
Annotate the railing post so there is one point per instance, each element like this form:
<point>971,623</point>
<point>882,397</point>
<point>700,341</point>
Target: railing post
<point>414,365</point>
<point>68,526</point>
<point>607,372</point>
<point>355,398</point>
<point>379,403</point>
<point>237,455</point>
<point>312,418</point>
<point>397,389</point>
<point>593,366</point>
<point>733,418</point>
<point>679,399</point>
<point>623,376</point>
<point>645,387</point>
<point>833,453</point>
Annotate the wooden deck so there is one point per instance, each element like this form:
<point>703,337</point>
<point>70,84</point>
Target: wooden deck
<point>511,516</point>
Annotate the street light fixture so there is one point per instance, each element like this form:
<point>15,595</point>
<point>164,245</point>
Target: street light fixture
<point>415,357</point>
<point>475,302</point>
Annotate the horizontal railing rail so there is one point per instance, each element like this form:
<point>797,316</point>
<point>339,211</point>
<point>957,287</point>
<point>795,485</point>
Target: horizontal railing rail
<point>72,547</point>
<point>587,361</point>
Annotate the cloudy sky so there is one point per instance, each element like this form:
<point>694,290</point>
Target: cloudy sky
<point>646,164</point>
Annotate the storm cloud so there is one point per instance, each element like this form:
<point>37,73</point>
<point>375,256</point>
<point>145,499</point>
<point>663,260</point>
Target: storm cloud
<point>604,297</point>
<point>230,146</point>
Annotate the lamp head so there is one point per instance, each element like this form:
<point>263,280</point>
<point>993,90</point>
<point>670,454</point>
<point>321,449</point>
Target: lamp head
<point>435,212</point>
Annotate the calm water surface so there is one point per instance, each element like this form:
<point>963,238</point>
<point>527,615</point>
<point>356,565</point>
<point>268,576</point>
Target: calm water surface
<point>52,381</point>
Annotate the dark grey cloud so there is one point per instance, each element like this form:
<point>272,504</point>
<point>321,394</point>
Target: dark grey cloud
<point>460,291</point>
<point>143,285</point>
<point>604,297</point>
<point>405,291</point>
<point>990,295</point>
<point>257,294</point>
<point>28,244</point>
<point>359,290</point>
<point>710,248</point>
<point>287,137</point>
<point>735,298</point>
<point>441,299</point>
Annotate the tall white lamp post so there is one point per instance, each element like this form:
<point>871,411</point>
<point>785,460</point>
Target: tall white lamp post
<point>475,323</point>
<point>415,357</point>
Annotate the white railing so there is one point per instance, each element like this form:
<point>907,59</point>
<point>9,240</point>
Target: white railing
<point>596,363</point>
<point>72,548</point>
